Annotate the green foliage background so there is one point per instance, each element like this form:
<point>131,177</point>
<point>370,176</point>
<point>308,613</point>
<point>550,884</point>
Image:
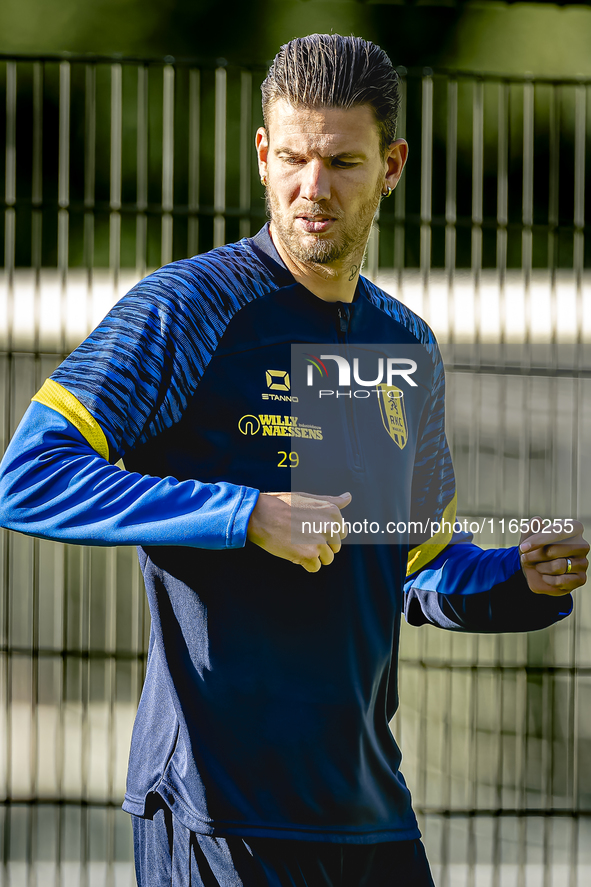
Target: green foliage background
<point>479,34</point>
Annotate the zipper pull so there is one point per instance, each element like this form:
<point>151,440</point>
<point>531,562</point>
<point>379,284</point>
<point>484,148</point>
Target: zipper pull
<point>343,318</point>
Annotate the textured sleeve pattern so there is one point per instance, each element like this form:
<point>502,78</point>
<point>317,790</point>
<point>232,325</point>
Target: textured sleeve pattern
<point>139,368</point>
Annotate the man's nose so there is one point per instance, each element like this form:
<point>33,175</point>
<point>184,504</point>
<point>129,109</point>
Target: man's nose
<point>315,182</point>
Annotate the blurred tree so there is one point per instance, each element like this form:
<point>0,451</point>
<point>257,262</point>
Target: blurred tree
<point>250,34</point>
<point>475,34</point>
<point>541,38</point>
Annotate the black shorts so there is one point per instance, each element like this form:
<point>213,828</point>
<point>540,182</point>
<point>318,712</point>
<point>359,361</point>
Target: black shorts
<point>167,854</point>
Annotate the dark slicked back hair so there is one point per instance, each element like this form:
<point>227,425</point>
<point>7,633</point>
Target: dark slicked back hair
<point>330,71</point>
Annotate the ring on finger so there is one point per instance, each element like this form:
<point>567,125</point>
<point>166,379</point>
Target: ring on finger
<point>569,565</point>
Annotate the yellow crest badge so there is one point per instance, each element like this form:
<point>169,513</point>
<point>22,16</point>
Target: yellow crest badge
<point>391,401</point>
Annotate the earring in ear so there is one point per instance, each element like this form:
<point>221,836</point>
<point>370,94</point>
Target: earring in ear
<point>264,181</point>
<point>387,193</point>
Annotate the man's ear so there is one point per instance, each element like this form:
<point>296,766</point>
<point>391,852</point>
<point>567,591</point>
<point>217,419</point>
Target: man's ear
<point>395,160</point>
<point>261,142</point>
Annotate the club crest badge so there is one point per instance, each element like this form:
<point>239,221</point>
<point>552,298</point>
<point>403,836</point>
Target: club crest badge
<point>391,402</point>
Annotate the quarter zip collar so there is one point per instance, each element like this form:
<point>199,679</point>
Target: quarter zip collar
<point>264,247</point>
<point>344,315</point>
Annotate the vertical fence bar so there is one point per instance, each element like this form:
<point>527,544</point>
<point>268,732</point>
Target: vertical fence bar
<point>477,194</point>
<point>498,698</point>
<point>528,199</point>
<point>426,175</point>
<point>64,193</point>
<point>64,159</point>
<point>400,192</point>
<point>451,170</point>
<point>36,738</point>
<point>37,194</point>
<point>473,767</point>
<point>219,173</point>
<point>111,650</point>
<point>89,184</point>
<point>85,669</point>
<point>502,197</point>
<point>546,773</point>
<point>579,453</point>
<point>89,166</point>
<point>520,766</point>
<point>194,158</point>
<point>553,183</point>
<point>167,162</point>
<point>474,439</point>
<point>59,584</point>
<point>141,225</point>
<point>579,214</point>
<point>115,172</point>
<point>422,688</point>
<point>574,721</point>
<point>245,150</point>
<point>10,172</point>
<point>499,680</point>
<point>111,686</point>
<point>10,196</point>
<point>445,761</point>
<point>8,367</point>
<point>426,169</point>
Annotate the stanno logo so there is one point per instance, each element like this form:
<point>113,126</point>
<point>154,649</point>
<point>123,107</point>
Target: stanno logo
<point>278,380</point>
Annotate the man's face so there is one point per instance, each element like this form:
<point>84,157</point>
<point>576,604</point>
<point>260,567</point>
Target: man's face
<point>325,173</point>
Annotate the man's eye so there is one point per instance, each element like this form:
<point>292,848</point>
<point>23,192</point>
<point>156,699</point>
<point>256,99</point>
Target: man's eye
<point>343,164</point>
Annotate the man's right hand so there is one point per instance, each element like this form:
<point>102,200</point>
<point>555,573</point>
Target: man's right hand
<point>300,527</point>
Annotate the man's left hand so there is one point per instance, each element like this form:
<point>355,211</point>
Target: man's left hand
<point>546,557</point>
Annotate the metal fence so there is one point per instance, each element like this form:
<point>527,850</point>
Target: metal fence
<point>113,167</point>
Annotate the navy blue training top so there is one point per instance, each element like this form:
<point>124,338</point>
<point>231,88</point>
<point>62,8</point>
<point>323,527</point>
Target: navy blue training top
<point>269,690</point>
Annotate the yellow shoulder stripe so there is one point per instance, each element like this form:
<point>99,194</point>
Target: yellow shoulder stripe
<point>56,397</point>
<point>420,556</point>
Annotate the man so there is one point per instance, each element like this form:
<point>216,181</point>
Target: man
<point>261,754</point>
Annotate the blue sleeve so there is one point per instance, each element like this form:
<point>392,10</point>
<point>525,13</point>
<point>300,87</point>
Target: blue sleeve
<point>140,367</point>
<point>54,485</point>
<point>127,383</point>
<point>467,588</point>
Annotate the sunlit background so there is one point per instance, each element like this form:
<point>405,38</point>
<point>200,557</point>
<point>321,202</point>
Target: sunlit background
<point>126,131</point>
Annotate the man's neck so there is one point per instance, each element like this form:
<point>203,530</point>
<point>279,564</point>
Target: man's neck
<point>334,283</point>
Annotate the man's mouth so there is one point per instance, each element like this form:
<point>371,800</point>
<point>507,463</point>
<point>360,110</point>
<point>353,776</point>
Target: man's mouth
<point>315,224</point>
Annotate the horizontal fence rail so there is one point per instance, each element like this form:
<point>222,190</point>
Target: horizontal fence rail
<point>128,164</point>
<point>113,167</point>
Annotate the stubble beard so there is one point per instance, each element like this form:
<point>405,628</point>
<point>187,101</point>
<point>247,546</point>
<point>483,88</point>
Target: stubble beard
<point>349,242</point>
